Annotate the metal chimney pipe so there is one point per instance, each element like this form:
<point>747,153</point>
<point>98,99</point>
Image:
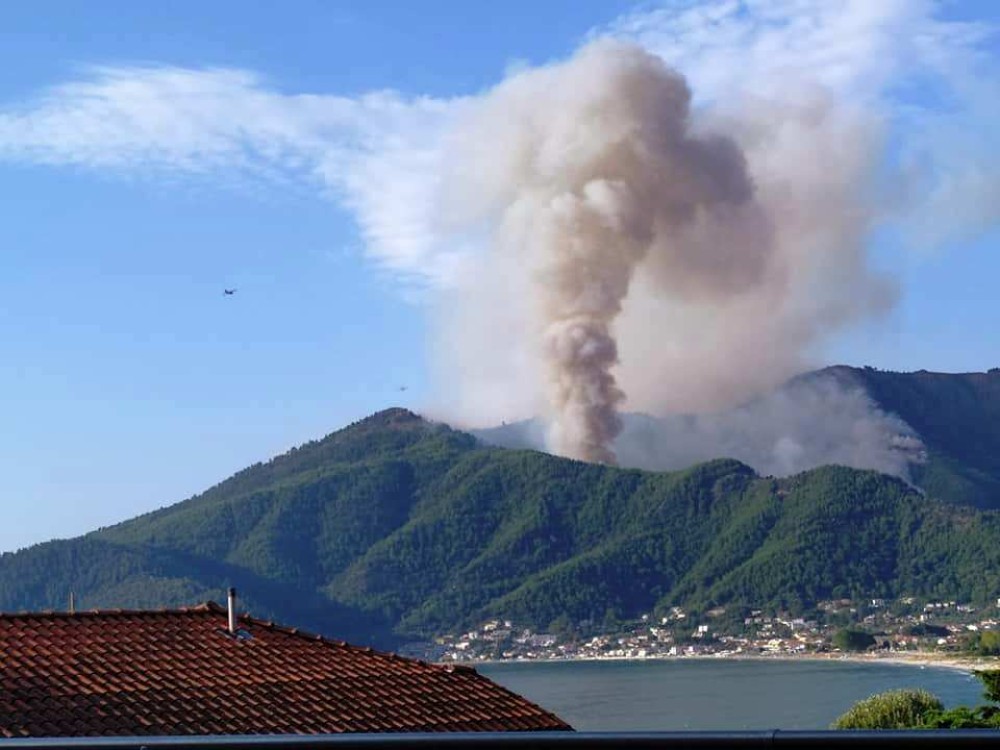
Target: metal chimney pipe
<point>232,611</point>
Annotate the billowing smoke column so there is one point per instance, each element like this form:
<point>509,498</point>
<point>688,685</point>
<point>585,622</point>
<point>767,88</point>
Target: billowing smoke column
<point>582,173</point>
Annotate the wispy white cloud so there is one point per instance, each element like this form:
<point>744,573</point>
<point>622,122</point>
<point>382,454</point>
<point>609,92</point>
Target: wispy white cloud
<point>372,153</point>
<point>856,47</point>
<point>172,118</point>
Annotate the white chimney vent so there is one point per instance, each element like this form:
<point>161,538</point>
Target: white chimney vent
<point>232,611</point>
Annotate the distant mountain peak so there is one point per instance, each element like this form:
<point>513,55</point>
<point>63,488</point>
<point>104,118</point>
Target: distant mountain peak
<point>395,417</point>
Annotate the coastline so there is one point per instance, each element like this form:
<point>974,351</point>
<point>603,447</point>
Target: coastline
<point>923,659</point>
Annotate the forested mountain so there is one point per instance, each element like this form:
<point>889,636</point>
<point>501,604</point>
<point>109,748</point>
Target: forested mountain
<point>396,527</point>
<point>957,416</point>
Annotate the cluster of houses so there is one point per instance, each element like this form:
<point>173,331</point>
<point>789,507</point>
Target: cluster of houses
<point>901,625</point>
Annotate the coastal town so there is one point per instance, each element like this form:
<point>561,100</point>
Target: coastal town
<point>874,626</point>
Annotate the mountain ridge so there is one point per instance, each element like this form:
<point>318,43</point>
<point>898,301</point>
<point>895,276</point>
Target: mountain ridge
<point>398,527</point>
<point>940,431</point>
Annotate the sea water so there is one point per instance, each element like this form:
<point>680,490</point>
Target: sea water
<point>717,694</point>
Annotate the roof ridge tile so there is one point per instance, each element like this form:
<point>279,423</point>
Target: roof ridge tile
<point>208,607</point>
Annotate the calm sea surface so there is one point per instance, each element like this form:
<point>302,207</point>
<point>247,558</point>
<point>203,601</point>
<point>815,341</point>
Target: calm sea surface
<point>723,694</point>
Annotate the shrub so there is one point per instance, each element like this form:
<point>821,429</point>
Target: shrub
<point>963,717</point>
<point>896,709</point>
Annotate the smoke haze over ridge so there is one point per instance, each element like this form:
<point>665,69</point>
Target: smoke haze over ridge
<point>793,429</point>
<point>808,422</point>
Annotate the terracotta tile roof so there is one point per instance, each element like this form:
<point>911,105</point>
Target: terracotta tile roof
<point>177,672</point>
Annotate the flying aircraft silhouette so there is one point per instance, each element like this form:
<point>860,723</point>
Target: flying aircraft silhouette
<point>228,291</point>
<point>402,388</point>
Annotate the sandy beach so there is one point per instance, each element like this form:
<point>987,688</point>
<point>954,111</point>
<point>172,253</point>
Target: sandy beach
<point>957,662</point>
<point>916,659</point>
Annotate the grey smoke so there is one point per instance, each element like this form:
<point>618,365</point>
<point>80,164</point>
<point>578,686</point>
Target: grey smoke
<point>796,428</point>
<point>584,173</point>
<point>641,255</point>
<point>807,423</point>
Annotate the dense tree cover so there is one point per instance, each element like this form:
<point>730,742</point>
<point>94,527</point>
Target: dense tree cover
<point>397,526</point>
<point>925,630</point>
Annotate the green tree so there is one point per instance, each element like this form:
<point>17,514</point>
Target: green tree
<point>988,643</point>
<point>991,683</point>
<point>561,626</point>
<point>612,621</point>
<point>850,639</point>
<point>962,717</point>
<point>980,717</point>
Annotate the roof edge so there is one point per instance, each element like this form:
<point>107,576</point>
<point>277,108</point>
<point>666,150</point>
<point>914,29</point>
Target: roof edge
<point>208,607</point>
<point>213,608</point>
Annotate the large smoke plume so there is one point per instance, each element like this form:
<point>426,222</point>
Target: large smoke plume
<point>643,252</point>
<point>589,171</point>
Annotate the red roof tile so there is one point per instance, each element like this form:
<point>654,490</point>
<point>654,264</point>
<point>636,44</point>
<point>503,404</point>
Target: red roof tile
<point>174,672</point>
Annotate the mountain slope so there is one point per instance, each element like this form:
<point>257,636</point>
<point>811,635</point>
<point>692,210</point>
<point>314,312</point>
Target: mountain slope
<point>271,529</point>
<point>398,526</point>
<point>957,416</point>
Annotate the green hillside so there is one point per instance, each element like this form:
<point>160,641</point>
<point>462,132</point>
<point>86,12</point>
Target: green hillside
<point>394,527</point>
<point>957,417</point>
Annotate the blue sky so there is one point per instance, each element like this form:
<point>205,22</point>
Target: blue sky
<point>129,381</point>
